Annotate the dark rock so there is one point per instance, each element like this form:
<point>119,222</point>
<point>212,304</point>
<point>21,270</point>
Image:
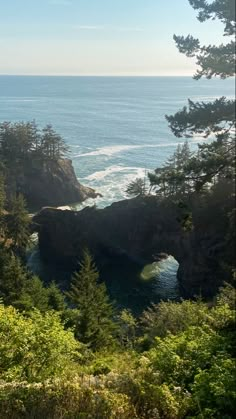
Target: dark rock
<point>160,256</point>
<point>51,183</point>
<point>143,230</point>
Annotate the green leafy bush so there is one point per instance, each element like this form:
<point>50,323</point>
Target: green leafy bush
<point>34,348</point>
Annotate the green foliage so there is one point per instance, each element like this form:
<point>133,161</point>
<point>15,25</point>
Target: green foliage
<point>168,317</point>
<point>213,60</point>
<point>22,142</point>
<point>17,224</point>
<point>63,400</point>
<point>34,348</point>
<point>25,291</point>
<point>136,188</point>
<point>216,160</point>
<point>13,278</point>
<point>178,361</point>
<point>25,150</point>
<point>187,372</point>
<point>52,144</point>
<point>55,298</point>
<point>203,118</point>
<point>226,296</point>
<point>180,357</point>
<point>171,180</point>
<point>94,325</point>
<point>223,10</point>
<point>2,194</point>
<point>214,389</point>
<point>127,328</point>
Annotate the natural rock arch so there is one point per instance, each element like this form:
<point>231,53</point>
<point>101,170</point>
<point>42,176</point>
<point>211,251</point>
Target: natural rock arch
<point>137,229</point>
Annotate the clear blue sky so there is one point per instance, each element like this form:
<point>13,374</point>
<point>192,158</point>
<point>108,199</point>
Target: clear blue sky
<point>98,37</point>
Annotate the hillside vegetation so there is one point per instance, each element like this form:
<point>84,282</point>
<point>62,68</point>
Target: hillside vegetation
<point>75,355</point>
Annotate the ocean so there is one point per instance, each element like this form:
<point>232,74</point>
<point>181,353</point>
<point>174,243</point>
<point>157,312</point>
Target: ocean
<point>115,126</point>
<point>116,130</point>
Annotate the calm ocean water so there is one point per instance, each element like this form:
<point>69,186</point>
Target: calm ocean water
<point>115,126</point>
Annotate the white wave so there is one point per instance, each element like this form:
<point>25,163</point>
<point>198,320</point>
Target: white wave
<point>115,149</point>
<point>111,183</point>
<point>64,208</point>
<point>107,151</point>
<point>113,169</point>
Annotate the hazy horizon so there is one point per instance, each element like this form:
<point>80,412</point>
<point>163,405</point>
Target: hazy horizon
<point>99,37</point>
<point>96,75</point>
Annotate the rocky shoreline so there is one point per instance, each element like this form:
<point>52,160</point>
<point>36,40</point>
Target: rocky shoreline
<point>51,183</point>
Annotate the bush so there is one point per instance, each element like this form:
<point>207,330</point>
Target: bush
<point>170,317</point>
<point>59,400</point>
<point>215,389</point>
<point>34,348</point>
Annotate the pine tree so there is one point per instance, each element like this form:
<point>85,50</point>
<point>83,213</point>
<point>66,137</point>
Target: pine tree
<point>136,188</point>
<point>18,287</point>
<point>170,179</point>
<point>56,300</point>
<point>2,205</point>
<point>94,324</point>
<point>2,193</point>
<point>13,277</point>
<point>52,144</point>
<point>215,160</point>
<point>18,222</point>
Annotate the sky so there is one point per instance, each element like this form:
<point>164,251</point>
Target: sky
<point>99,37</point>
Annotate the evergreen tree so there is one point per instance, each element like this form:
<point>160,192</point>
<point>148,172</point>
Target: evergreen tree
<point>52,144</point>
<point>18,223</point>
<point>170,179</point>
<point>137,187</point>
<point>55,298</point>
<point>213,60</point>
<point>214,161</point>
<point>2,193</point>
<point>2,205</point>
<point>20,288</point>
<point>217,159</point>
<point>13,278</point>
<point>94,324</point>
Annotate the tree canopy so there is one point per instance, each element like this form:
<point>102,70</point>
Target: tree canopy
<point>21,142</point>
<point>214,160</point>
<point>95,319</point>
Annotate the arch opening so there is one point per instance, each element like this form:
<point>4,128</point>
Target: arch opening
<point>163,277</point>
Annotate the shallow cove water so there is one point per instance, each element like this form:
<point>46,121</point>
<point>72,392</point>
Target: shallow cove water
<point>116,130</point>
<point>129,286</point>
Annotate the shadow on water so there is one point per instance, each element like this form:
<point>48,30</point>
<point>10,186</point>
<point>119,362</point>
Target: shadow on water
<point>136,289</point>
<point>128,285</point>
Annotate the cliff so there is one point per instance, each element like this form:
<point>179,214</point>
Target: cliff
<point>140,229</point>
<point>49,183</point>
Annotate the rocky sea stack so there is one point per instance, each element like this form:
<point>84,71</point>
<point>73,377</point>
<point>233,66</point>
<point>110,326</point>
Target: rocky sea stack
<point>52,183</point>
<point>34,163</point>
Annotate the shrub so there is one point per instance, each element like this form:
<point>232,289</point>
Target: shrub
<point>34,348</point>
<point>59,400</point>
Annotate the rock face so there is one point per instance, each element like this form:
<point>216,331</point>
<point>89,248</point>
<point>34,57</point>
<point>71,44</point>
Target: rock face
<point>52,183</point>
<point>138,229</point>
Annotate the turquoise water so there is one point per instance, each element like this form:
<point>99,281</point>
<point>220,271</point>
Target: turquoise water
<point>115,127</point>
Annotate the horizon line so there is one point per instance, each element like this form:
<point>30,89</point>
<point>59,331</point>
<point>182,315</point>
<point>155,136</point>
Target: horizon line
<point>95,75</point>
